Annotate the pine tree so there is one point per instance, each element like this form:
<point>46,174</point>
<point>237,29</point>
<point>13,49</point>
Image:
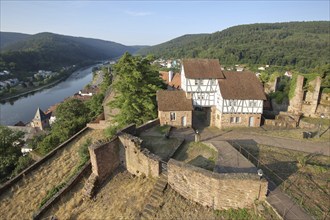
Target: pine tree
<point>135,87</point>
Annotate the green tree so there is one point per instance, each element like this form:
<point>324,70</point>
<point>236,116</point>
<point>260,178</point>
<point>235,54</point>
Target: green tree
<point>9,152</point>
<point>95,105</point>
<point>107,79</point>
<point>71,116</point>
<point>135,87</point>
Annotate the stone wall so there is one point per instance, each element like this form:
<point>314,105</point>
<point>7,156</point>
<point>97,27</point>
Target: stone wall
<point>305,125</point>
<point>130,129</point>
<point>136,159</point>
<point>325,99</point>
<point>314,103</point>
<point>164,117</point>
<point>104,158</point>
<point>244,121</point>
<point>102,124</point>
<point>296,101</point>
<point>41,162</point>
<point>323,109</point>
<point>221,120</point>
<point>215,190</point>
<point>147,125</point>
<point>62,192</point>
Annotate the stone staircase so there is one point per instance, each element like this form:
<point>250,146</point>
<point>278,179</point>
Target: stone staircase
<point>155,201</point>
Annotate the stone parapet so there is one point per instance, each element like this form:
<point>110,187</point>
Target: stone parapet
<point>104,158</point>
<point>136,159</point>
<point>215,190</point>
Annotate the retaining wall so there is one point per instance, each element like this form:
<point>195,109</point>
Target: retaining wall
<point>104,158</point>
<point>215,190</point>
<point>72,182</point>
<point>136,159</point>
<point>147,126</point>
<point>37,164</point>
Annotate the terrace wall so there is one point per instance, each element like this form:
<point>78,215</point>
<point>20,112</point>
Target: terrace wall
<point>104,158</point>
<point>215,190</point>
<point>136,159</point>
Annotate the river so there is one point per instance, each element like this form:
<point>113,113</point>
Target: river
<point>24,108</point>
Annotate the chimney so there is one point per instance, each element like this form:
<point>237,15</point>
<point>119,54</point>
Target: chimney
<point>170,76</point>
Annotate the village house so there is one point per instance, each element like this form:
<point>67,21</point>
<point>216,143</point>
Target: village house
<point>5,72</point>
<point>173,80</point>
<point>229,98</point>
<point>89,91</point>
<point>174,108</point>
<point>40,120</point>
<point>288,74</point>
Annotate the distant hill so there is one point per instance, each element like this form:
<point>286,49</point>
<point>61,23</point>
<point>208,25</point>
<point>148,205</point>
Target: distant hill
<point>8,38</point>
<point>48,50</point>
<point>177,44</point>
<point>300,44</point>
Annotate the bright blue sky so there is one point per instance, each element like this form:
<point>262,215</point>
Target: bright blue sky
<point>149,22</point>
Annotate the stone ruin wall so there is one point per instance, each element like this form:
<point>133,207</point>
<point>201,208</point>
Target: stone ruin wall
<point>104,158</point>
<point>313,104</point>
<point>296,101</point>
<point>124,149</point>
<point>215,190</point>
<point>136,159</point>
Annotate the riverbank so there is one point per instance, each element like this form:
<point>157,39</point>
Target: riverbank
<point>33,90</point>
<point>39,88</point>
<point>24,108</point>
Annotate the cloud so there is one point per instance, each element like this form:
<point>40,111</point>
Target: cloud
<point>138,13</point>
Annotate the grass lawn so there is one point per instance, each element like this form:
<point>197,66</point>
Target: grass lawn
<point>158,131</point>
<point>161,146</point>
<point>198,154</point>
<point>305,177</point>
<point>122,197</point>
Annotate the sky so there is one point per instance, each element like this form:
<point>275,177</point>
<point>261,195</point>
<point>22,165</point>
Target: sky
<point>149,22</point>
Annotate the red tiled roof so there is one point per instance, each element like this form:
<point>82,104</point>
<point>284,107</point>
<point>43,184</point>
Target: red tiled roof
<point>241,85</point>
<point>174,100</point>
<point>164,76</point>
<point>176,80</point>
<point>202,69</point>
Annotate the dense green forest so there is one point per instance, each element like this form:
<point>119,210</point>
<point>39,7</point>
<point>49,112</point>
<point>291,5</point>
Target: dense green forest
<point>302,45</point>
<point>51,51</point>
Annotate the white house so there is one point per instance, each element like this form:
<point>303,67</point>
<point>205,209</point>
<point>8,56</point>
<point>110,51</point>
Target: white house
<point>230,98</point>
<point>288,74</point>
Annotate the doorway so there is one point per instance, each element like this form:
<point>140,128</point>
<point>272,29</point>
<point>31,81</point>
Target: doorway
<point>184,121</point>
<point>251,122</point>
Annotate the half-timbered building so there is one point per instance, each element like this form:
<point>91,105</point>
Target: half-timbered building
<point>229,98</point>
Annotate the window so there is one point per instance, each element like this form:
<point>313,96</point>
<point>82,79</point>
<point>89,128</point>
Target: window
<point>172,116</point>
<point>218,116</point>
<point>235,120</point>
<point>212,82</point>
<point>232,119</point>
<point>198,82</point>
<point>252,104</point>
<point>232,102</point>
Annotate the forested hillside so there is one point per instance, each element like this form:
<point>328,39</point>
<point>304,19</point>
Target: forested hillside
<point>49,51</point>
<point>7,38</point>
<point>300,44</point>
